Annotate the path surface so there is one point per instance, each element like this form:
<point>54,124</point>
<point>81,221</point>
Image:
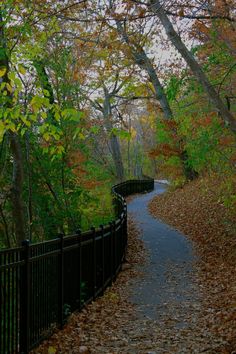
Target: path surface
<point>167,276</point>
<point>167,295</point>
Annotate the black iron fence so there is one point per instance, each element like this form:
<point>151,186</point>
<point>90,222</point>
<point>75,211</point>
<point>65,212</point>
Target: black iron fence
<point>42,284</point>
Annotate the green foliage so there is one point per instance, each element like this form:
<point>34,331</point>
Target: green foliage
<point>204,143</point>
<point>173,87</point>
<point>121,133</point>
<point>45,99</point>
<point>163,135</point>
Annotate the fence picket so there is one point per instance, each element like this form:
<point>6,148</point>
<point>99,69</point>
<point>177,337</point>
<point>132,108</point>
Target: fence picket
<point>61,283</point>
<point>37,280</point>
<point>25,299</point>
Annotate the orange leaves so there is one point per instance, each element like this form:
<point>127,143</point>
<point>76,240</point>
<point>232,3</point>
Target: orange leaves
<point>227,140</point>
<point>233,158</point>
<point>170,125</point>
<point>202,121</point>
<point>164,150</point>
<point>141,12</point>
<point>205,121</point>
<point>91,184</point>
<point>77,157</point>
<point>76,75</point>
<point>75,162</point>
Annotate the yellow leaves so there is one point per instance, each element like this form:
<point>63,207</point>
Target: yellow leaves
<point>26,121</point>
<point>52,350</point>
<point>44,115</point>
<point>3,71</point>
<point>9,88</point>
<point>133,133</point>
<point>2,86</point>
<point>39,102</point>
<point>46,136</point>
<point>46,93</point>
<point>2,130</point>
<point>12,127</point>
<point>21,70</point>
<point>57,116</point>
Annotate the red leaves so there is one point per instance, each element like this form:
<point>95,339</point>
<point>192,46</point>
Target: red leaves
<point>164,150</point>
<point>205,121</point>
<point>226,140</point>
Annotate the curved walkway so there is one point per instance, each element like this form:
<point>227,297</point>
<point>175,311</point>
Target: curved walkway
<point>167,276</point>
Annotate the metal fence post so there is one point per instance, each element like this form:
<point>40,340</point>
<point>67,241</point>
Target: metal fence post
<point>125,231</point>
<point>113,260</point>
<point>94,263</point>
<point>61,282</point>
<point>111,250</point>
<point>78,232</point>
<point>25,299</point>
<point>116,239</point>
<point>103,258</point>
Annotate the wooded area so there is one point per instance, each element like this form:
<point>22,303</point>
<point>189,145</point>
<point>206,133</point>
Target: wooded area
<point>94,92</point>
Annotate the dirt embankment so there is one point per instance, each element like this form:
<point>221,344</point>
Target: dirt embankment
<point>198,212</point>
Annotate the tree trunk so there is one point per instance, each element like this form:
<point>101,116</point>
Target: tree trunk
<point>44,80</point>
<point>17,188</point>
<point>30,187</point>
<point>114,143</point>
<point>16,150</point>
<point>46,86</point>
<point>142,60</point>
<point>175,39</point>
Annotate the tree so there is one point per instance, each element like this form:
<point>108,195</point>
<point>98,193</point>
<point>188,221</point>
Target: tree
<point>15,145</point>
<point>142,60</point>
<point>157,8</point>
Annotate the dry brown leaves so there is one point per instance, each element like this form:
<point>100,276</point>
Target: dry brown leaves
<point>111,325</point>
<point>102,324</point>
<point>197,211</point>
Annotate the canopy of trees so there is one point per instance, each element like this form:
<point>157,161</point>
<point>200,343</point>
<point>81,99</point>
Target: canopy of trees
<point>94,91</point>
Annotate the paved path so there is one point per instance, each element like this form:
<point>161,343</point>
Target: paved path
<point>167,276</point>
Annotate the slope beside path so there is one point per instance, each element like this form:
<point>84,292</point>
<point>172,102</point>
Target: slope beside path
<point>198,211</point>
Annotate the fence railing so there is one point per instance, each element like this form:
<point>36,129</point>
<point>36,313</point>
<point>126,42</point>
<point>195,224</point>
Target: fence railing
<point>41,284</point>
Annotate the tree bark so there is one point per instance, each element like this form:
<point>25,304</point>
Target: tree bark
<point>46,86</point>
<point>16,150</point>
<point>176,40</point>
<point>44,80</point>
<point>141,59</point>
<point>114,143</point>
<point>17,188</point>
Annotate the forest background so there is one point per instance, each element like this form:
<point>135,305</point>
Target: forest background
<point>96,92</point>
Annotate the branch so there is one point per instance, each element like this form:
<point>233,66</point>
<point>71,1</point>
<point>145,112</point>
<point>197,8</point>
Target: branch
<point>202,17</point>
<point>135,97</point>
<point>225,76</point>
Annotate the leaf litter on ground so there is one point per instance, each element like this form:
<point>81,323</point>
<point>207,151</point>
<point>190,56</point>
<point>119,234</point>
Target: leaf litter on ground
<point>197,211</point>
<point>112,323</point>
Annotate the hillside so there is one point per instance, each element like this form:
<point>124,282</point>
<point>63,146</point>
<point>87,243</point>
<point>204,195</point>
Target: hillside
<point>198,211</point>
